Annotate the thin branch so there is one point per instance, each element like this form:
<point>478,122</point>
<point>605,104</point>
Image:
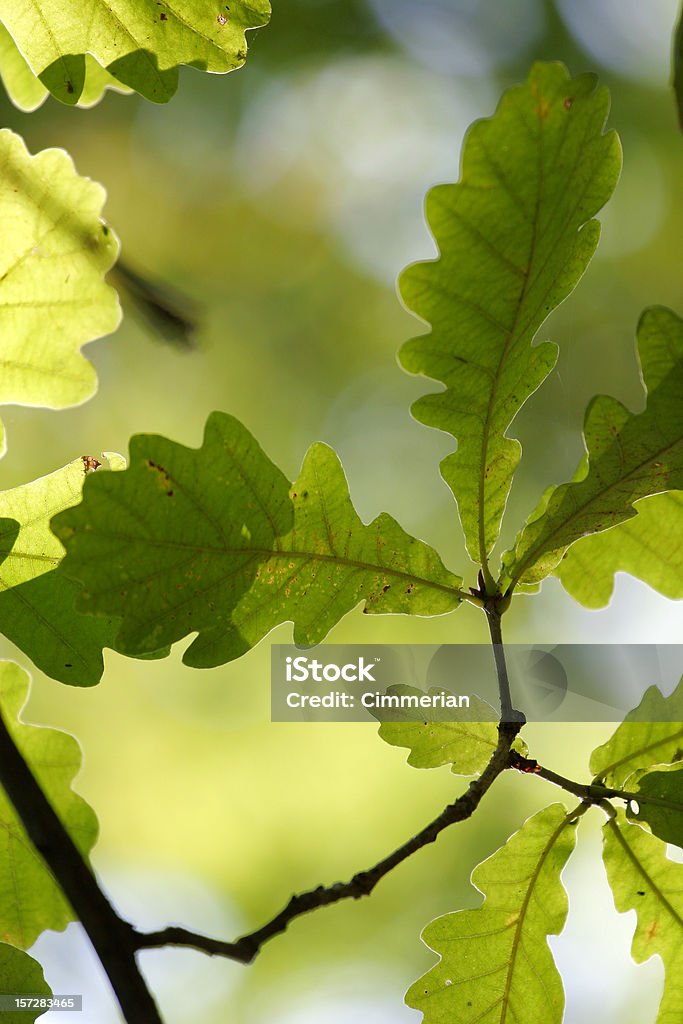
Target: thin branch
<point>110,936</point>
<point>592,792</point>
<point>362,884</point>
<point>507,712</point>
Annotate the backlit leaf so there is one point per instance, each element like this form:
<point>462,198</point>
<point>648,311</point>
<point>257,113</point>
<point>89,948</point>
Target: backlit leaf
<point>21,975</point>
<point>649,546</point>
<point>54,253</point>
<point>650,734</point>
<point>514,236</point>
<point>466,744</point>
<point>214,540</point>
<point>27,92</point>
<point>495,962</point>
<point>645,880</point>
<point>30,900</point>
<point>630,456</point>
<point>38,605</point>
<point>139,42</point>
<point>660,802</point>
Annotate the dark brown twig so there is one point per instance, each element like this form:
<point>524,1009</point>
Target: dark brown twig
<point>590,792</point>
<point>362,884</point>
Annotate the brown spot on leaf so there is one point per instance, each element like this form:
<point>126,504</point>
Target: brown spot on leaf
<point>568,103</point>
<point>90,463</point>
<point>163,17</point>
<point>221,19</point>
<point>386,587</point>
<point>70,88</point>
<point>542,108</point>
<point>651,931</point>
<point>163,477</point>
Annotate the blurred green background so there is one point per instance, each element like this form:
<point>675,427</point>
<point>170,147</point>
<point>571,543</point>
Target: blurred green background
<point>285,198</point>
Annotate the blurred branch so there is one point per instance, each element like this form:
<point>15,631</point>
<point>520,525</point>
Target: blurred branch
<point>110,936</point>
<point>168,313</point>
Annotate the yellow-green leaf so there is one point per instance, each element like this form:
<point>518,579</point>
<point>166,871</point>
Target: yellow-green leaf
<point>467,744</point>
<point>54,253</point>
<point>30,899</point>
<point>140,43</point>
<point>650,734</point>
<point>645,880</point>
<point>514,236</point>
<point>629,456</point>
<point>27,92</point>
<point>649,546</point>
<point>496,966</point>
<point>38,605</point>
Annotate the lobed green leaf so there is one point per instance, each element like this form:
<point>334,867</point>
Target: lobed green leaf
<point>660,802</point>
<point>649,546</point>
<point>38,605</point>
<point>28,93</point>
<point>139,43</point>
<point>645,880</point>
<point>515,236</point>
<point>30,899</point>
<point>466,744</point>
<point>629,456</point>
<point>54,253</point>
<point>214,540</point>
<point>650,734</point>
<point>21,975</point>
<point>495,962</point>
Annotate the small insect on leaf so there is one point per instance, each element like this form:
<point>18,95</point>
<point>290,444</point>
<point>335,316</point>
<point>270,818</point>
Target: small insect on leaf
<point>90,463</point>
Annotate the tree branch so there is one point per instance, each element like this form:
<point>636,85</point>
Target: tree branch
<point>116,941</point>
<point>494,609</point>
<point>362,884</point>
<point>592,792</point>
<point>110,936</point>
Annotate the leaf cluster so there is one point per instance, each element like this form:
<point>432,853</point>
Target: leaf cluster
<point>220,543</point>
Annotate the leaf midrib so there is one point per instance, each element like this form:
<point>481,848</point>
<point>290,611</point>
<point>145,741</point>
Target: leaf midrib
<point>516,941</point>
<point>266,554</point>
<point>539,549</point>
<point>606,772</point>
<point>614,827</point>
<point>511,335</point>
